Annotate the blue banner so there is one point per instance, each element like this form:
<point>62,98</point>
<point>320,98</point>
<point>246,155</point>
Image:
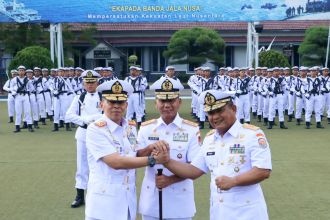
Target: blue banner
<point>56,11</point>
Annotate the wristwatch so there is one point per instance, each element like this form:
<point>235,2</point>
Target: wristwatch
<point>151,161</point>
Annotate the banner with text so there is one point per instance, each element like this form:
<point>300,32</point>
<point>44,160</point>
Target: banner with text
<point>61,11</point>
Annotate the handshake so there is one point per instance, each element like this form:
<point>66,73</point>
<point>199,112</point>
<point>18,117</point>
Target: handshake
<point>160,151</point>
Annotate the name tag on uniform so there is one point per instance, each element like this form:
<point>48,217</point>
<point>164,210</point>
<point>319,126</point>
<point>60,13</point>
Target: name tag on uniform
<point>237,149</point>
<point>153,138</point>
<point>210,153</point>
<point>183,137</point>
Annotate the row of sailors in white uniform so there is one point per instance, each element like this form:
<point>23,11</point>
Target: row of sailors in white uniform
<point>252,89</point>
<point>46,94</point>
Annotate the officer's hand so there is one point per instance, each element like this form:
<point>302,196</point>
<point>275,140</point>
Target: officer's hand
<point>161,157</point>
<point>55,92</point>
<point>163,181</point>
<point>160,146</point>
<point>225,182</point>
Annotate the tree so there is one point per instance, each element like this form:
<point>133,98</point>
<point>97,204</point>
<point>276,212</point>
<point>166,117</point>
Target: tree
<point>16,37</point>
<point>31,57</point>
<point>195,46</point>
<point>272,58</point>
<point>313,49</point>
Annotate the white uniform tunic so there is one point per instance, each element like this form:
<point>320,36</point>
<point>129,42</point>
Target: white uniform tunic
<point>238,151</point>
<point>178,198</point>
<point>111,193</point>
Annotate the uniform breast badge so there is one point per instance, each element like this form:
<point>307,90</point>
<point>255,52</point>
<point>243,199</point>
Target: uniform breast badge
<point>179,156</point>
<point>236,169</point>
<point>180,136</point>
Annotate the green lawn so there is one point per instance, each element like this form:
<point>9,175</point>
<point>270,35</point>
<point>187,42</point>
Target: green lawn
<point>37,173</point>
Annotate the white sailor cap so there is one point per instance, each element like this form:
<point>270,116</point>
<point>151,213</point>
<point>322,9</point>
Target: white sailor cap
<point>303,68</point>
<point>71,68</point>
<point>97,68</point>
<point>36,68</point>
<point>314,68</point>
<point>13,71</point>
<point>235,69</point>
<point>264,68</point>
<point>29,71</point>
<point>167,88</point>
<point>90,76</point>
<point>258,68</point>
<point>115,90</point>
<point>108,69</point>
<point>169,68</point>
<point>206,68</point>
<point>140,69</point>
<point>44,69</point>
<point>197,68</point>
<point>134,68</point>
<point>21,67</point>
<point>295,68</point>
<point>270,69</point>
<point>222,68</point>
<point>53,70</point>
<point>79,69</point>
<point>286,68</point>
<point>229,69</point>
<point>325,68</point>
<point>252,69</point>
<point>61,69</point>
<point>215,99</point>
<point>276,68</point>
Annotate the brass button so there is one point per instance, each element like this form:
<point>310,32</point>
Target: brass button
<point>222,163</point>
<point>221,200</point>
<point>223,144</point>
<point>247,201</point>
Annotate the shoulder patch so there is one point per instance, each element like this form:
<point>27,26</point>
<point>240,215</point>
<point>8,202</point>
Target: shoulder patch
<point>100,124</point>
<point>251,127</point>
<point>210,132</point>
<point>190,123</point>
<point>132,123</point>
<point>148,122</point>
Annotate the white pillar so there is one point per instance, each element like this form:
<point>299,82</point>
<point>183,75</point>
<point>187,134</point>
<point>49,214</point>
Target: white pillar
<point>327,56</point>
<point>60,62</point>
<point>52,42</point>
<point>256,50</point>
<point>249,45</point>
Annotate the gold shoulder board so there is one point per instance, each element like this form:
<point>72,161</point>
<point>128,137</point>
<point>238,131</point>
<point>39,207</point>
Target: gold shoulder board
<point>252,127</point>
<point>132,123</point>
<point>148,122</point>
<point>190,123</point>
<point>100,123</point>
<point>210,133</point>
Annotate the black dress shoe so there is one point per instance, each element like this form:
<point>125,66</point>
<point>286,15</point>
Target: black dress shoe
<point>77,202</point>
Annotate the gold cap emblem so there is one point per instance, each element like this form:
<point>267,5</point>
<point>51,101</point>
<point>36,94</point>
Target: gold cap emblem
<point>117,88</point>
<point>89,74</point>
<point>167,85</point>
<point>209,99</point>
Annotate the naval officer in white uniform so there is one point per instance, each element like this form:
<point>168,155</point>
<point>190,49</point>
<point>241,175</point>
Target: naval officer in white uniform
<point>183,139</point>
<point>111,151</point>
<point>238,158</point>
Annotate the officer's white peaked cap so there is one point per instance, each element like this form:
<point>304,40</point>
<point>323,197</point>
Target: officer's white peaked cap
<point>115,90</point>
<point>215,99</point>
<point>167,88</point>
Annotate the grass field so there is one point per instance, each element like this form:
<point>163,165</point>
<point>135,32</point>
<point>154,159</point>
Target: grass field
<point>37,173</point>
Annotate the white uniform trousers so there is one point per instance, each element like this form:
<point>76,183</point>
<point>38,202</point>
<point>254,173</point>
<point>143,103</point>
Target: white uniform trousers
<point>145,217</point>
<point>60,108</point>
<point>265,109</point>
<point>326,103</point>
<point>260,104</point>
<point>201,113</point>
<point>291,99</point>
<point>88,218</point>
<point>300,103</point>
<point>194,103</point>
<point>82,165</point>
<point>135,105</point>
<point>11,105</point>
<point>48,103</point>
<point>41,105</point>
<point>314,103</point>
<point>67,100</point>
<point>243,102</point>
<point>34,107</point>
<point>254,102</point>
<point>22,104</point>
<point>285,100</point>
<point>277,99</point>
